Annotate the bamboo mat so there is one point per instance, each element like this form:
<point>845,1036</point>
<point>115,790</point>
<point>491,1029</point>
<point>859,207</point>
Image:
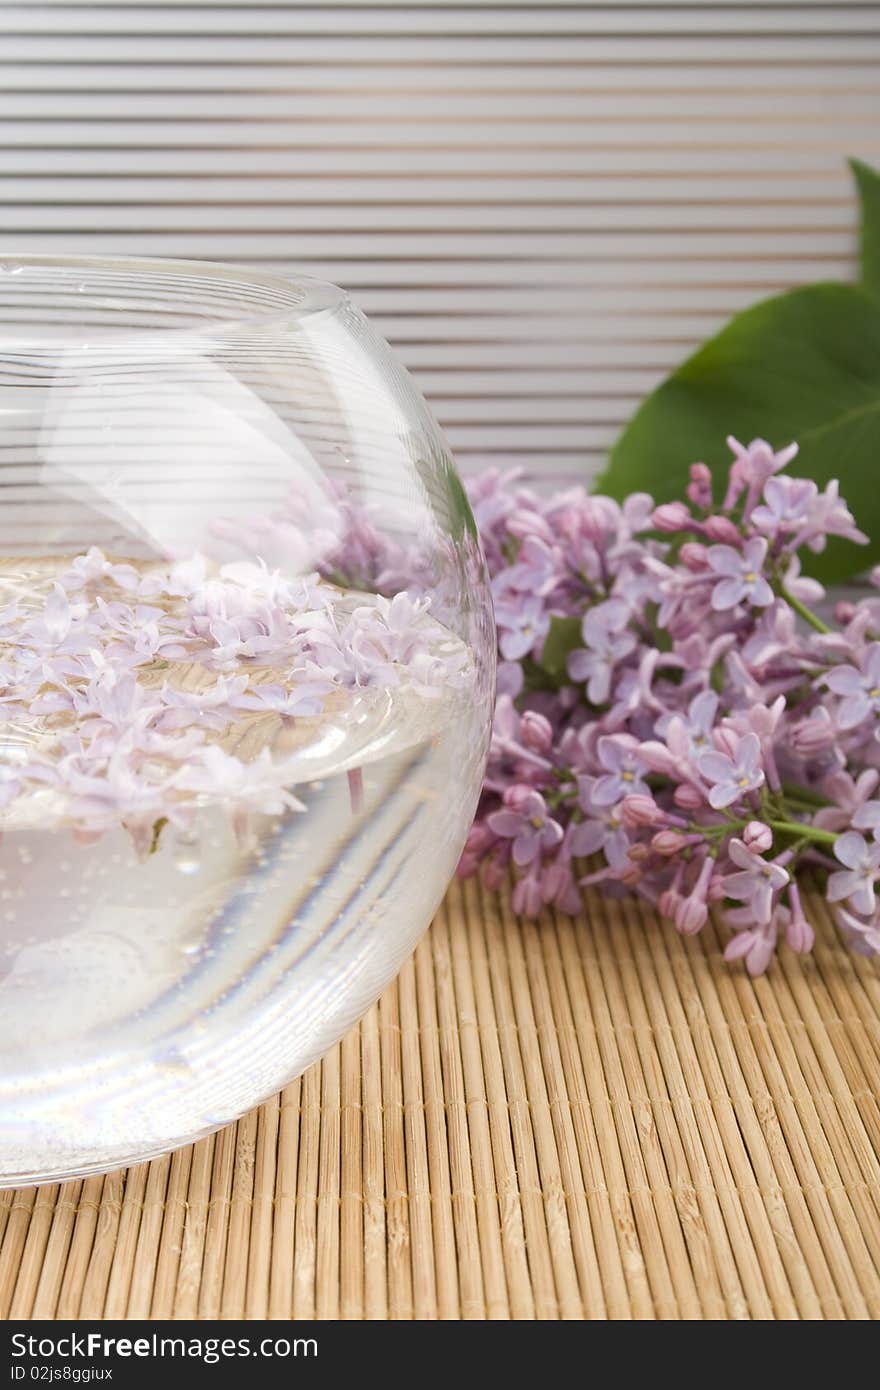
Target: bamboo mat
<point>591,1119</point>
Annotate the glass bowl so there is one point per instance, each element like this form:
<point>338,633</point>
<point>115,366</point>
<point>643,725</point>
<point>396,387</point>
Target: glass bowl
<point>246,675</point>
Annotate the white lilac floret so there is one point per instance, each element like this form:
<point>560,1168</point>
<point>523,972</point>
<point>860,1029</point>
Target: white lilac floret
<point>119,685</point>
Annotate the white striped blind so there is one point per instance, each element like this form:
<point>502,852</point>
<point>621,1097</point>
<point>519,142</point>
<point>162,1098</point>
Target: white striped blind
<point>543,206</point>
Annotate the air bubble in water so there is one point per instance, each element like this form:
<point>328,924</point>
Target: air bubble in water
<point>187,854</point>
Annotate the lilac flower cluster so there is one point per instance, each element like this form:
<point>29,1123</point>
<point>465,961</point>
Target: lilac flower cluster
<point>125,693</point>
<point>671,702</point>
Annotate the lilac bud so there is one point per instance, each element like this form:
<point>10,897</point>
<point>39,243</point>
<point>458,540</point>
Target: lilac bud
<point>668,903</point>
<point>637,811</point>
<point>672,516</point>
<point>669,842</point>
<point>813,735</point>
<point>657,757</point>
<point>721,529</point>
<point>798,932</point>
<point>757,837</point>
<point>638,853</point>
<point>495,869</point>
<point>536,732</point>
<point>594,519</point>
<point>715,891</point>
<point>690,915</point>
<point>693,556</point>
<point>688,797</point>
<point>844,612</point>
<point>527,899</point>
<point>699,489</point>
<point>516,796</point>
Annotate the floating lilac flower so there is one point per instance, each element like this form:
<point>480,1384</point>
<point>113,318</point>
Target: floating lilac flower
<point>733,776</point>
<point>117,701</point>
<point>531,828</point>
<point>857,879</point>
<point>257,786</point>
<point>116,792</point>
<point>10,784</point>
<point>302,700</point>
<point>211,707</point>
<point>742,580</point>
<point>756,882</point>
<point>93,567</point>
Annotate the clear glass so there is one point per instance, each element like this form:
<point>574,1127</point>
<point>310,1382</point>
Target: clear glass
<point>246,675</point>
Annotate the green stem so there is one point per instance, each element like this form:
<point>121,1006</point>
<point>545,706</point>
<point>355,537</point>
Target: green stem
<point>793,792</point>
<point>809,832</point>
<point>801,608</point>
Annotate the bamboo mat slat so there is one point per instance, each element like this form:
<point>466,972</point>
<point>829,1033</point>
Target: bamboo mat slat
<point>555,1119</point>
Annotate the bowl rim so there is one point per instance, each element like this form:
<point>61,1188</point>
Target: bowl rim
<point>289,297</point>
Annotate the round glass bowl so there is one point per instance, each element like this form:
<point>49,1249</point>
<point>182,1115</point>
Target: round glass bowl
<point>246,676</point>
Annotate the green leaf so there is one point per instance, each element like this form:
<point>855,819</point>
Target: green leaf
<point>462,516</point>
<point>804,366</point>
<point>868,184</point>
<point>563,637</point>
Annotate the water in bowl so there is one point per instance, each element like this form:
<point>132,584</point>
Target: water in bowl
<point>149,992</point>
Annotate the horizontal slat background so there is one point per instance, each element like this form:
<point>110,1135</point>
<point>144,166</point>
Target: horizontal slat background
<point>544,206</point>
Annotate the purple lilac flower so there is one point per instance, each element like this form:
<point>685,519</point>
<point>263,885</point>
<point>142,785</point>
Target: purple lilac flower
<point>863,936</point>
<point>753,465</point>
<point>866,817</point>
<point>538,569</point>
<point>531,828</point>
<point>691,735</point>
<point>522,623</point>
<point>741,578</point>
<point>849,799</point>
<point>787,504</point>
<point>606,644</point>
<point>601,829</point>
<point>755,883</point>
<point>623,771</point>
<point>857,879</point>
<point>829,516</point>
<point>754,942</point>
<point>860,688</point>
<point>733,776</point>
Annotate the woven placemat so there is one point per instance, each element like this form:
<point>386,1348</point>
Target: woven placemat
<point>539,1120</point>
